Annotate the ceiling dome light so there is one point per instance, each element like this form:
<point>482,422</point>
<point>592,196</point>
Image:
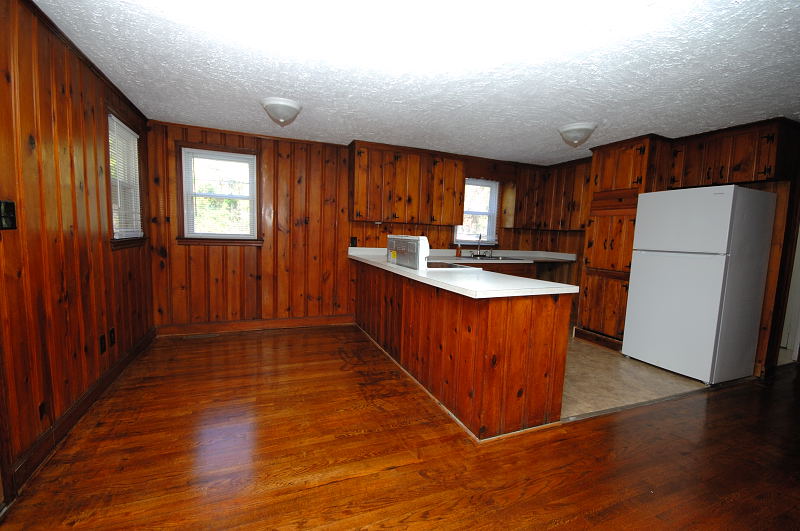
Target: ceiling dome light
<point>283,111</point>
<point>576,134</point>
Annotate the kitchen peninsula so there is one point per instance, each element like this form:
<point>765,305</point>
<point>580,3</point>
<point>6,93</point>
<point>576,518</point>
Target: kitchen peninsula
<point>489,347</point>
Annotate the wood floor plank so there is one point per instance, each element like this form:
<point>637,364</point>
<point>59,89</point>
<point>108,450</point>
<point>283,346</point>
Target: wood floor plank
<point>318,428</point>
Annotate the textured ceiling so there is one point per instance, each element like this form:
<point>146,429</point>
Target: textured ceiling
<point>491,79</point>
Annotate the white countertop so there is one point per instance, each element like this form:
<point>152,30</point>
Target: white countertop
<point>470,282</point>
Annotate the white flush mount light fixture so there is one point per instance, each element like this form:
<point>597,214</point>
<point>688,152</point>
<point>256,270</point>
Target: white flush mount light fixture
<point>576,134</point>
<point>283,111</point>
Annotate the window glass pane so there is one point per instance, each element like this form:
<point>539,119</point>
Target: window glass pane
<point>474,225</point>
<point>123,171</point>
<point>221,216</point>
<point>476,198</point>
<point>222,177</point>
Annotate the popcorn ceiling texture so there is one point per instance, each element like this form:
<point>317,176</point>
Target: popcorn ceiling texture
<point>722,63</point>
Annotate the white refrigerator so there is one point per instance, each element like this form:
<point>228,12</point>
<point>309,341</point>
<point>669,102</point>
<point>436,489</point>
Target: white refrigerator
<point>697,280</point>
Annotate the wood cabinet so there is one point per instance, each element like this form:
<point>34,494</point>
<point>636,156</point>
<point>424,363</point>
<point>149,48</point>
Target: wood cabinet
<point>737,155</point>
<point>553,198</point>
<point>603,300</point>
<point>640,163</point>
<point>403,185</point>
<point>609,242</point>
<point>620,172</point>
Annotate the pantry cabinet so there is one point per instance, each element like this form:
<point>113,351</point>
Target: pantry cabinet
<point>403,185</point>
<point>619,173</point>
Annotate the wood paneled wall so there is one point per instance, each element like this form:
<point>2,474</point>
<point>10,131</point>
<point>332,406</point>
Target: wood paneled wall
<point>299,275</point>
<point>63,287</point>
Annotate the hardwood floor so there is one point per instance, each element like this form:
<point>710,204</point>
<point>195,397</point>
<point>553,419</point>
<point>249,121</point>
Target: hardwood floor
<point>313,427</point>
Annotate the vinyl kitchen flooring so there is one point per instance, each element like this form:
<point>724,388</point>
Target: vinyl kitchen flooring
<point>599,379</point>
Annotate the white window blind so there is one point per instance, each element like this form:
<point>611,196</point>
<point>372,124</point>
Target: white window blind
<point>123,156</point>
<point>219,194</point>
<point>480,212</point>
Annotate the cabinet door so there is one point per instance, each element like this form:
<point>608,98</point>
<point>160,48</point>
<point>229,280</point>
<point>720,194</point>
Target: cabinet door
<point>571,202</point>
<point>546,197</point>
<point>562,195</point>
<point>620,166</point>
<point>604,163</point>
<point>744,145</point>
<point>427,189</point>
<point>631,166</point>
<point>766,153</point>
<point>615,301</point>
<point>675,179</point>
<point>604,299</point>
<point>453,195</point>
<point>590,316</point>
<point>522,200</point>
<point>620,243</point>
<point>582,194</point>
<point>693,163</point>
<point>413,184</point>
<point>598,231</point>
<point>716,158</point>
<point>388,169</point>
<point>359,183</point>
<point>529,198</point>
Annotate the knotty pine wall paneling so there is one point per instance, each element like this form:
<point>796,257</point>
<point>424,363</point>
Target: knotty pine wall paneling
<point>299,275</point>
<point>63,285</point>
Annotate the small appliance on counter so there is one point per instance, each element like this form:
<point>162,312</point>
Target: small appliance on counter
<point>408,251</point>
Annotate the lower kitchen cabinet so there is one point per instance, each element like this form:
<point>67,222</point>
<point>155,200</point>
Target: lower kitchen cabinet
<point>603,300</point>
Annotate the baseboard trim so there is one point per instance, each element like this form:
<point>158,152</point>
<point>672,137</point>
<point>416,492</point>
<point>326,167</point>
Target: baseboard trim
<point>37,454</point>
<point>253,325</point>
<point>599,339</point>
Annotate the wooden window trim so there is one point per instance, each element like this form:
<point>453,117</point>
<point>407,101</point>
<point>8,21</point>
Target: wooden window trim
<point>127,243</point>
<point>219,241</point>
<point>182,239</point>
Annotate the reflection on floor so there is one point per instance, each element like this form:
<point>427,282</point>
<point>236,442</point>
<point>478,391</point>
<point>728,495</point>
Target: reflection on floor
<point>598,379</point>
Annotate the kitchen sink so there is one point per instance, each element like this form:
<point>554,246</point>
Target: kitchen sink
<point>447,265</point>
<point>493,258</point>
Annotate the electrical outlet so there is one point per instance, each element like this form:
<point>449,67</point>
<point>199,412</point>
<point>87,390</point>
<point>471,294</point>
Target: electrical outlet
<point>112,337</point>
<point>8,215</point>
<point>353,241</point>
<point>102,344</point>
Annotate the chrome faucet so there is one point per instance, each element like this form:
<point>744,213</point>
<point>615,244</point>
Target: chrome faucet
<point>478,252</point>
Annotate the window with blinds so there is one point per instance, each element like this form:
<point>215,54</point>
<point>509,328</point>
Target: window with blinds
<point>219,194</point>
<point>123,157</point>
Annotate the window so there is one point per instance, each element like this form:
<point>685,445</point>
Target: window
<point>480,212</point>
<point>123,169</point>
<point>219,194</point>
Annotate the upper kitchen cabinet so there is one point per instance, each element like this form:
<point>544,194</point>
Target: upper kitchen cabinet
<point>553,198</point>
<point>405,185</point>
<point>736,155</point>
<point>640,163</point>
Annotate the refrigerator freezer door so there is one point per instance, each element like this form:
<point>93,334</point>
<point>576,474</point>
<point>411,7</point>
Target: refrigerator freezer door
<point>688,221</point>
<point>673,311</point>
